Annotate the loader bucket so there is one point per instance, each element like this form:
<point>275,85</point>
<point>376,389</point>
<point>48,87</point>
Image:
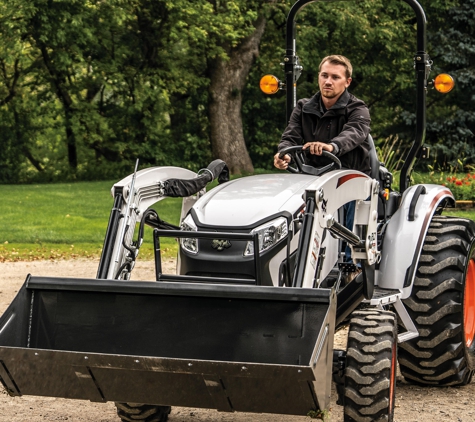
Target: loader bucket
<point>231,348</point>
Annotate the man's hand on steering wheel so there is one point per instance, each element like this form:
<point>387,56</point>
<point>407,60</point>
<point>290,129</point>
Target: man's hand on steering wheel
<point>281,163</point>
<point>317,148</point>
<point>292,159</point>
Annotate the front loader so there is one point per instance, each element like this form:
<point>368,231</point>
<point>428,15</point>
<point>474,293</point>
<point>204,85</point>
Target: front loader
<point>247,322</point>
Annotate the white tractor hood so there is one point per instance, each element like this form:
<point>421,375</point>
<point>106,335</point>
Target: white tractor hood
<point>248,200</point>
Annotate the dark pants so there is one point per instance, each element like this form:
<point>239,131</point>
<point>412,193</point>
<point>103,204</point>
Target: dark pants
<point>349,220</point>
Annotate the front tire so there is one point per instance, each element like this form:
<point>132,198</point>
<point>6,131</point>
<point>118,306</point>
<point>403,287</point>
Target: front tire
<point>370,375</point>
<point>442,306</point>
<point>137,412</point>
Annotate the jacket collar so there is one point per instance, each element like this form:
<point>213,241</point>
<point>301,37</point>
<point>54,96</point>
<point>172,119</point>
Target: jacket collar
<point>313,105</point>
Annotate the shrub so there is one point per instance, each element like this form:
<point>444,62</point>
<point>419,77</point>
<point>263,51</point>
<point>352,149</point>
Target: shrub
<point>462,186</point>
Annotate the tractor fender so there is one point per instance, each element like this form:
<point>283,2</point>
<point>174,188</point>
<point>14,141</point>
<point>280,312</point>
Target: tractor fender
<point>405,235</point>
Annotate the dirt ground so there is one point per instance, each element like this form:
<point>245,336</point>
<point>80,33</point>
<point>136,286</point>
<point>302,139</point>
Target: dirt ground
<point>414,404</point>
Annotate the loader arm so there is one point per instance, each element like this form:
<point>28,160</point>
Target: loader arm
<point>324,198</point>
<point>147,190</point>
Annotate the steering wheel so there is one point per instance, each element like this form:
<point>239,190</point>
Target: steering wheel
<point>296,152</point>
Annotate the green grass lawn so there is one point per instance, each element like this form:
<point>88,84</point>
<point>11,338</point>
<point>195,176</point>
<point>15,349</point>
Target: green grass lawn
<point>64,220</point>
<point>55,213</point>
<point>69,220</point>
<point>470,214</point>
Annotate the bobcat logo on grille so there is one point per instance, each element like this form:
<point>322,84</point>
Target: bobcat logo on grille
<point>220,244</point>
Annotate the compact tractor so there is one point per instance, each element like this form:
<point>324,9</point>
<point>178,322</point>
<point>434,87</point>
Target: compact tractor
<point>247,322</point>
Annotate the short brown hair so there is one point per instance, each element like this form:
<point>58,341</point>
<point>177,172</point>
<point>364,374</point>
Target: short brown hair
<point>337,59</point>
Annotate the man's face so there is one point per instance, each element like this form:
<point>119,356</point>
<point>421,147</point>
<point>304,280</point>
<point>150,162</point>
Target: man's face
<point>332,80</point>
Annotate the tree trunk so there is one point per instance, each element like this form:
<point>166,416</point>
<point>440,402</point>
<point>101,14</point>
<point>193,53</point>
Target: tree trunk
<point>21,141</point>
<point>228,78</point>
<point>58,81</point>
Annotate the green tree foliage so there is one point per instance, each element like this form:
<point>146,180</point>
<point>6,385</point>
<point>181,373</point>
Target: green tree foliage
<point>378,36</point>
<point>130,78</point>
<point>16,110</point>
<point>88,86</point>
<point>451,126</point>
<point>103,76</point>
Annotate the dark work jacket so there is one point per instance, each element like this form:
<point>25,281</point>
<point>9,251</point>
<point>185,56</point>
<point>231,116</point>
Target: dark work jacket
<point>346,124</point>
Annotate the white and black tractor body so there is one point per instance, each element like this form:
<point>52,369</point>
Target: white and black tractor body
<point>247,322</point>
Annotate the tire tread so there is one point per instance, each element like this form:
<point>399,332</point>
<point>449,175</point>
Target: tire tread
<point>439,355</point>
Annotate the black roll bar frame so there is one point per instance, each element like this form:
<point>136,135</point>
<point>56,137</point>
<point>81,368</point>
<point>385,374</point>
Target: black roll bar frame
<point>422,66</point>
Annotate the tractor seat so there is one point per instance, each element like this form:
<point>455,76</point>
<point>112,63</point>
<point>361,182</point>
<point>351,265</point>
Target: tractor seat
<point>382,174</point>
<point>373,158</point>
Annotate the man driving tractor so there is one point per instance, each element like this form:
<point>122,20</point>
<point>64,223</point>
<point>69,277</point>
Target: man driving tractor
<point>332,120</point>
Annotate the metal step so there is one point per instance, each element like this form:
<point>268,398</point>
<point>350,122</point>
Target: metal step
<point>383,297</point>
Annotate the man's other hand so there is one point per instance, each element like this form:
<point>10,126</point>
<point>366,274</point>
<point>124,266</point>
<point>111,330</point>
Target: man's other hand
<point>317,148</point>
<point>281,163</point>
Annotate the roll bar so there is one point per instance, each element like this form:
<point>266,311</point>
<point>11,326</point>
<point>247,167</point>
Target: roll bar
<point>422,66</point>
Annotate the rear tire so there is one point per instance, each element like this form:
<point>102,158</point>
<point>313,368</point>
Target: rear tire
<point>133,412</point>
<point>442,306</point>
<point>370,375</point>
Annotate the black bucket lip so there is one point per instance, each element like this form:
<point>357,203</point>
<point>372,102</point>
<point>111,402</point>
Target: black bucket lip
<point>271,293</point>
<point>93,377</point>
<point>153,363</point>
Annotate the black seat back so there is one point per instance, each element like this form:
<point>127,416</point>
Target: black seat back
<point>383,175</point>
<point>373,158</point>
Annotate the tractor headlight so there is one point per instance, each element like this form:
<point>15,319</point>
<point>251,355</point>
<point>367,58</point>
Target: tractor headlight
<point>269,234</point>
<point>189,244</point>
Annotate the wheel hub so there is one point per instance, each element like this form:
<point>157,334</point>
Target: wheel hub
<point>469,304</point>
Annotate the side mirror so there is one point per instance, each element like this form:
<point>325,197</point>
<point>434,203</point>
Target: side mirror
<point>444,83</point>
<point>269,84</point>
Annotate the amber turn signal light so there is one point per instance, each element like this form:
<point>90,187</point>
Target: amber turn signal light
<point>444,83</point>
<point>269,84</point>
